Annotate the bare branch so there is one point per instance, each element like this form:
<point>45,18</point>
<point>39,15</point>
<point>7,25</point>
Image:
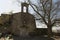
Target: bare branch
<point>38,13</point>
<point>53,15</point>
<point>52,24</point>
<point>46,2</point>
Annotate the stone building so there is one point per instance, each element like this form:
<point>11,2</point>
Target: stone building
<point>4,23</point>
<point>23,22</point>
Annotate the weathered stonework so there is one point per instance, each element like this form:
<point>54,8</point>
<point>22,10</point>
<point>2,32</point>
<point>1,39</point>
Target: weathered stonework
<point>23,23</point>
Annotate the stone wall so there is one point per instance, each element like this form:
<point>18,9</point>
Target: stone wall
<point>22,23</point>
<point>18,23</point>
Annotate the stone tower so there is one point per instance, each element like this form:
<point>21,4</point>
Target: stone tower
<point>24,5</point>
<point>23,22</point>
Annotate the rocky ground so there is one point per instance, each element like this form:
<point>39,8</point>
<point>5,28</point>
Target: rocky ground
<point>30,38</point>
<point>27,38</point>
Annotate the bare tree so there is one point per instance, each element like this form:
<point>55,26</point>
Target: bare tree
<point>47,10</point>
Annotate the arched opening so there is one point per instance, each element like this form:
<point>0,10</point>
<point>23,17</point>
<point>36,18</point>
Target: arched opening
<point>24,9</point>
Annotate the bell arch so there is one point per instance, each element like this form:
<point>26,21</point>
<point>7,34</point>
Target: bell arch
<point>24,7</point>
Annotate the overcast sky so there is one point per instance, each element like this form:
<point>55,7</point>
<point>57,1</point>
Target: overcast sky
<point>12,5</point>
<point>9,5</point>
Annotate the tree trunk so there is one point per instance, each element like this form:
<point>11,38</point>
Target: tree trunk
<point>49,31</point>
